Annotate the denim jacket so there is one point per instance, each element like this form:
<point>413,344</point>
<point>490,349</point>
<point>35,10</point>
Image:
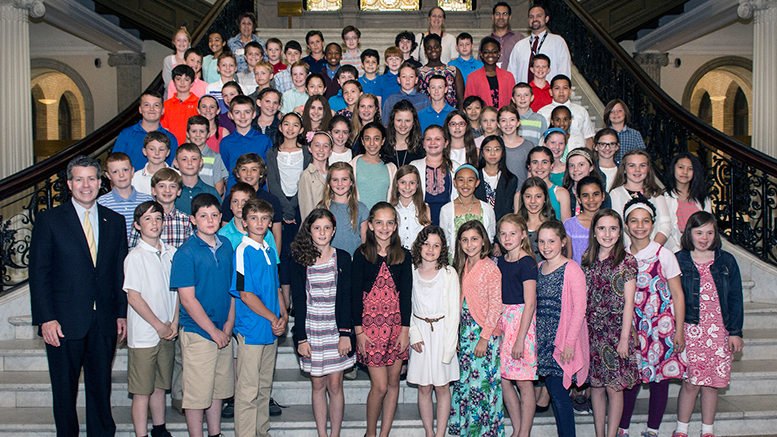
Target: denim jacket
<point>728,282</point>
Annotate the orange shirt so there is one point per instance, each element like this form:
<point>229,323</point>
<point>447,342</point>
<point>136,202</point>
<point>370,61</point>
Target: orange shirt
<point>176,115</point>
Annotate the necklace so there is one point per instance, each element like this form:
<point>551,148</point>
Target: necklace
<point>470,205</point>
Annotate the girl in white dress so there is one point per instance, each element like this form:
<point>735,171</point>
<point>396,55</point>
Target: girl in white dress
<point>433,362</point>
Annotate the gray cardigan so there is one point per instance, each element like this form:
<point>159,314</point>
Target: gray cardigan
<point>288,204</point>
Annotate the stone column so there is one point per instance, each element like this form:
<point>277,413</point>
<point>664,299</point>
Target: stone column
<point>764,67</point>
<point>15,104</point>
<point>129,77</point>
<point>652,63</point>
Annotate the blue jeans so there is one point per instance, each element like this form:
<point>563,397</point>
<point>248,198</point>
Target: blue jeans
<point>562,406</point>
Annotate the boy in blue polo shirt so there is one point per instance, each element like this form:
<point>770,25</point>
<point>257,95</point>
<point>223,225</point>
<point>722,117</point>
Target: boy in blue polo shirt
<point>465,62</point>
<point>245,139</point>
<point>202,272</point>
<point>408,78</point>
<point>388,82</point>
<point>123,198</point>
<point>369,80</point>
<point>260,319</point>
<point>438,110</point>
<point>130,140</point>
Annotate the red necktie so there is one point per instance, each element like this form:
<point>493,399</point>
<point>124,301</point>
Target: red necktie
<point>531,56</point>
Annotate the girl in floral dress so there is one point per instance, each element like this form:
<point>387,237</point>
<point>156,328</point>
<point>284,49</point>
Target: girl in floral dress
<point>382,305</point>
<point>713,331</point>
<point>323,330</point>
<point>562,333</point>
<point>433,363</point>
<point>659,314</point>
<point>466,206</point>
<point>518,356</point>
<point>611,276</point>
<point>477,408</point>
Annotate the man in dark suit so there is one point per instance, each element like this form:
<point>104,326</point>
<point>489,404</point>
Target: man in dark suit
<point>76,276</point>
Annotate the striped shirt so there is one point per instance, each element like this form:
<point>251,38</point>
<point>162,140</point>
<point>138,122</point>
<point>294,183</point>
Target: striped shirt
<point>176,229</point>
<point>213,168</point>
<point>532,127</point>
<point>125,207</point>
<point>355,60</point>
<point>685,208</point>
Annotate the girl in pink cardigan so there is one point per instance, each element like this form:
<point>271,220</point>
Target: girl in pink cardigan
<point>477,407</point>
<point>562,333</point>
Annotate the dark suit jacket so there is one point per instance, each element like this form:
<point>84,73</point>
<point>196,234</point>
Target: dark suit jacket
<point>64,283</point>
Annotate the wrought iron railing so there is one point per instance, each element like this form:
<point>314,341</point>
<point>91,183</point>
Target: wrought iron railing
<point>742,181</point>
<point>42,185</point>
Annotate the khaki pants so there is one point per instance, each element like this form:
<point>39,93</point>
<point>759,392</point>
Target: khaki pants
<point>207,371</point>
<point>255,367</point>
<point>176,390</point>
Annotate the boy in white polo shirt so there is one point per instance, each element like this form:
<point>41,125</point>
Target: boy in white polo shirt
<point>152,321</point>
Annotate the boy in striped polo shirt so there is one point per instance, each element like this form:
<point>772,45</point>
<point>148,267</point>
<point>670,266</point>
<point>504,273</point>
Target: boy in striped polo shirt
<point>533,125</point>
<point>123,198</point>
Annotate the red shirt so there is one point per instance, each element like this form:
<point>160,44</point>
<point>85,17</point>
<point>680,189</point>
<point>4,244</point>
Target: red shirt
<point>176,115</point>
<point>280,66</point>
<point>541,96</point>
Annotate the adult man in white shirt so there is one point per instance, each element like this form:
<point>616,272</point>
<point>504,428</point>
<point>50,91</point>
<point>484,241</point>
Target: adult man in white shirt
<point>540,41</point>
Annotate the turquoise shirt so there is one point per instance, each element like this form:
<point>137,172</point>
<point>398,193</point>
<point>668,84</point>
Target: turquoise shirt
<point>372,180</point>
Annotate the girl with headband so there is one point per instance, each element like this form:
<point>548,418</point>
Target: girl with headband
<point>659,316</point>
<point>466,206</point>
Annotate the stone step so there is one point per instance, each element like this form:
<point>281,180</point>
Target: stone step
<point>760,315</point>
<point>30,389</point>
<point>737,415</point>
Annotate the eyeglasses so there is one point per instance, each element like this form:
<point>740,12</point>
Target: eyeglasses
<point>503,14</point>
<point>608,145</point>
<point>459,124</point>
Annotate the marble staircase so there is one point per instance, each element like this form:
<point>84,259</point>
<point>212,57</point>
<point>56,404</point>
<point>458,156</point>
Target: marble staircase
<point>747,407</point>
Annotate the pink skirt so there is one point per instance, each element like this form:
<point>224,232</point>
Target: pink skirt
<point>524,369</point>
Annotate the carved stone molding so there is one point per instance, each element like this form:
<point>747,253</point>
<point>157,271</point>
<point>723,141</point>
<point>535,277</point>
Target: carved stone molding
<point>747,8</point>
<point>117,59</point>
<point>35,8</point>
<point>652,63</point>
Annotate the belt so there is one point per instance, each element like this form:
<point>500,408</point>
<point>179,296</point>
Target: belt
<point>430,321</point>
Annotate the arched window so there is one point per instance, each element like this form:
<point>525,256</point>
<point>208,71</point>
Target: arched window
<point>705,108</point>
<point>65,120</point>
<point>741,114</point>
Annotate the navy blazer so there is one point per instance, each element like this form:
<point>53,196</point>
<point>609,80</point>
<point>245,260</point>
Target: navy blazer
<point>342,298</point>
<point>65,285</point>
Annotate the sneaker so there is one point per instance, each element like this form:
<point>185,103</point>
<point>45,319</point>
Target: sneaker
<point>581,405</point>
<point>625,432</point>
<point>275,408</point>
<point>708,435</point>
<point>228,410</point>
<point>679,434</point>
<point>351,374</point>
<point>649,434</point>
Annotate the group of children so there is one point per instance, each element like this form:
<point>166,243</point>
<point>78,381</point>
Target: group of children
<point>476,238</point>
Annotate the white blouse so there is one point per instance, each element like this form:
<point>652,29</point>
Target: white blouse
<point>408,224</point>
<point>290,167</point>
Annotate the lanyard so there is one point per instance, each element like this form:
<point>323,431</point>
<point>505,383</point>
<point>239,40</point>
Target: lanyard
<point>539,46</point>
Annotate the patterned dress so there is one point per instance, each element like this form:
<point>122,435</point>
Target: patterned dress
<point>320,324</point>
<point>448,72</point>
<point>477,408</point>
<point>382,321</point>
<point>604,315</point>
<point>549,288</point>
<point>706,344</point>
<point>655,324</point>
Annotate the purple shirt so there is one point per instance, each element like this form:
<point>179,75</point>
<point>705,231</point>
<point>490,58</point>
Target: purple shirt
<point>507,42</point>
